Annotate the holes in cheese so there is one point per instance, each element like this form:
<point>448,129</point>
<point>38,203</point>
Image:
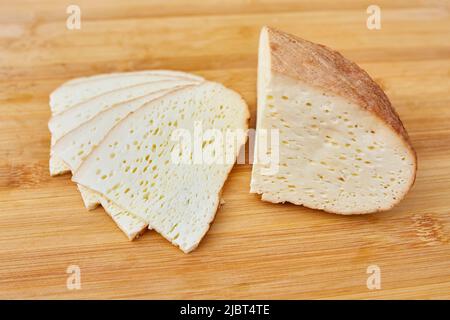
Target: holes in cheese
<point>179,200</point>
<point>342,147</point>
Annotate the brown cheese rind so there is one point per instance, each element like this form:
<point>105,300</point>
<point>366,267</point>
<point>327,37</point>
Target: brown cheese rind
<point>322,67</point>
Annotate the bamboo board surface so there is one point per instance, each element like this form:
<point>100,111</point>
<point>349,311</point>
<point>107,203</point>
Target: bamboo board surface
<point>253,249</point>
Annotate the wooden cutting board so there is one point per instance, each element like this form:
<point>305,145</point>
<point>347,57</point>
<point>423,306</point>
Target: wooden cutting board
<point>254,249</point>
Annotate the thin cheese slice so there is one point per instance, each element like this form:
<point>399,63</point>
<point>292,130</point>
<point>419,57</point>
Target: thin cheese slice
<point>57,166</point>
<point>114,75</point>
<point>130,225</point>
<point>91,199</point>
<point>82,89</point>
<point>66,121</point>
<point>74,147</point>
<point>101,85</point>
<point>136,165</point>
<point>342,148</point>
<point>155,80</point>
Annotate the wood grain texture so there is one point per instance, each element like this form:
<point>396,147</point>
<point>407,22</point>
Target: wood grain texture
<point>254,249</point>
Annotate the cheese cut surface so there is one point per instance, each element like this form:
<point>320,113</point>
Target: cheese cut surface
<point>66,121</point>
<point>134,166</point>
<point>79,90</point>
<point>342,147</point>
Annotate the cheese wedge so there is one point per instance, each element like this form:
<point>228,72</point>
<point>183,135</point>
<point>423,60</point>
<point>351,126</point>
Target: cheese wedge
<point>135,168</point>
<point>342,147</point>
<point>79,90</point>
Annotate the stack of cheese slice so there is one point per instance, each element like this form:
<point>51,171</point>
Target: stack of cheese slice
<point>342,147</point>
<point>115,134</point>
